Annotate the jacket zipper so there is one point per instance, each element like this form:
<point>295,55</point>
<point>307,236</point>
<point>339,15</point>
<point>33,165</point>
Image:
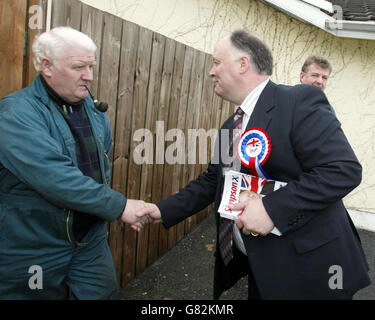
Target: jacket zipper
<point>102,169</point>
<point>67,226</point>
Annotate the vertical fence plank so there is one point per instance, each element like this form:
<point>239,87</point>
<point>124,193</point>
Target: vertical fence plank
<point>170,184</point>
<point>107,82</point>
<point>32,31</point>
<point>125,106</point>
<point>178,231</point>
<point>66,13</point>
<point>153,98</point>
<point>138,122</point>
<point>122,136</point>
<point>12,42</point>
<point>192,121</point>
<point>216,112</point>
<point>92,25</point>
<point>109,61</point>
<point>160,179</point>
<point>206,112</point>
<point>224,111</point>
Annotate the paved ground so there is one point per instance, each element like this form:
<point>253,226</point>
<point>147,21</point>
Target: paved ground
<point>186,271</point>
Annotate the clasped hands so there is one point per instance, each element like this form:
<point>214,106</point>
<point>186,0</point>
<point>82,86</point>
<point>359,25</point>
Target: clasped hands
<point>254,219</point>
<point>137,213</point>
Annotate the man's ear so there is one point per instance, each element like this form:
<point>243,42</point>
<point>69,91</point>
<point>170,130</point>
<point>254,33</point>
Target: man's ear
<point>301,75</point>
<point>244,64</point>
<point>46,66</point>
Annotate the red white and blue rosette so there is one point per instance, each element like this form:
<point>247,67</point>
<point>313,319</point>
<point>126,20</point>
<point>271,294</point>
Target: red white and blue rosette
<point>253,149</point>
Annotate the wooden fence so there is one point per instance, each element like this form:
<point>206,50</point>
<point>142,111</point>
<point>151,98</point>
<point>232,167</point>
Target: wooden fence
<point>145,77</point>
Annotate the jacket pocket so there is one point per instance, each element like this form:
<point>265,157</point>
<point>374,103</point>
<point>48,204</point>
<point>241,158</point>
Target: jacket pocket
<point>107,167</point>
<point>314,239</point>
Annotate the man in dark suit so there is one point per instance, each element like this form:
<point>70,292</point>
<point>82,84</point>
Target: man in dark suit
<point>318,254</point>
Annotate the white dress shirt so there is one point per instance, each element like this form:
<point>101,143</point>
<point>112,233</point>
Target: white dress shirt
<point>247,106</point>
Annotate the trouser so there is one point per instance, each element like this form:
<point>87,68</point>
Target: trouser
<point>226,276</point>
<point>39,272</point>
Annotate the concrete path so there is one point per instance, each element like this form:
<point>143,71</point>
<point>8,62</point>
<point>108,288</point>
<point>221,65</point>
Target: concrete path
<point>186,271</point>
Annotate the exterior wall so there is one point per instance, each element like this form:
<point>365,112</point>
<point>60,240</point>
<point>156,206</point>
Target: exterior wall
<point>200,23</point>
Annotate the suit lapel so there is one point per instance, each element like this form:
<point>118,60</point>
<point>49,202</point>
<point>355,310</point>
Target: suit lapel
<point>260,117</point>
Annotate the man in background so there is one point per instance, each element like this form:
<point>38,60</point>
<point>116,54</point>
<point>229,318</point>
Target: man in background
<point>316,71</point>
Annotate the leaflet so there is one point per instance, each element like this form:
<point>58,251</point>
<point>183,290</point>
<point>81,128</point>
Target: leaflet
<point>238,185</point>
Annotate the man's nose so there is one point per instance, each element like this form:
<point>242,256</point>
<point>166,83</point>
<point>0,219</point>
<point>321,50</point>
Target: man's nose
<point>88,74</point>
<point>212,72</point>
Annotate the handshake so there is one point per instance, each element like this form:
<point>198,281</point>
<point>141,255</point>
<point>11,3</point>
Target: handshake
<point>137,213</point>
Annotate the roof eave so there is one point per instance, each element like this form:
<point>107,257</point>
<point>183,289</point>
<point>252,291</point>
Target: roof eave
<point>351,29</point>
<point>313,15</point>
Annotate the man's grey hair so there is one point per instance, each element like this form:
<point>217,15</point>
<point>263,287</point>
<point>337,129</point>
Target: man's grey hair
<point>321,61</point>
<point>52,44</point>
<point>258,52</point>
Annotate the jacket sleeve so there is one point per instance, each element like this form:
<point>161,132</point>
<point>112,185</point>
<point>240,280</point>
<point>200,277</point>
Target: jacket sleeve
<point>28,151</point>
<point>197,195</point>
<point>330,169</point>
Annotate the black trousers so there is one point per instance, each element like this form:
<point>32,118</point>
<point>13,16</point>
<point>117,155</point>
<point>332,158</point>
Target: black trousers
<point>226,277</point>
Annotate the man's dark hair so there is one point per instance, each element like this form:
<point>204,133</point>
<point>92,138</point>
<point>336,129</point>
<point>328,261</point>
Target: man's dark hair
<point>260,55</point>
<point>319,60</point>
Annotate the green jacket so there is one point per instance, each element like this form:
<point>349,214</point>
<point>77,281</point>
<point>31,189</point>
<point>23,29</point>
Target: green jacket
<point>38,164</point>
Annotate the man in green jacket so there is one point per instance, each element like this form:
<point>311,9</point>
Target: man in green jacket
<point>55,197</point>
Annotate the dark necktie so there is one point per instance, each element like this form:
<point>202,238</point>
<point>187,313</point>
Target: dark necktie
<point>226,225</point>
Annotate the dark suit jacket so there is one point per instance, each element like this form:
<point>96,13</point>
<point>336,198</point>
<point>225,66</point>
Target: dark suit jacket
<point>319,245</point>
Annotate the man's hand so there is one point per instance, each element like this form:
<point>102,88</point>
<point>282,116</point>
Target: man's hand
<point>151,211</point>
<point>129,214</point>
<point>254,218</point>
